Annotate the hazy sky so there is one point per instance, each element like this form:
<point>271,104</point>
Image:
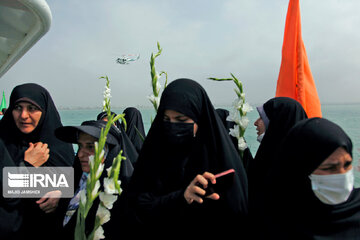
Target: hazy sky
<point>200,39</point>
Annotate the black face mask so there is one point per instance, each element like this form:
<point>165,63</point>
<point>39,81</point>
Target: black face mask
<point>179,133</point>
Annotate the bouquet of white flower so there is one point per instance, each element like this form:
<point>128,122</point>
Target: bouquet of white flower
<point>238,114</point>
<point>111,182</point>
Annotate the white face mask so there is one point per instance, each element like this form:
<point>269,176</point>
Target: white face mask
<point>260,137</point>
<point>334,188</point>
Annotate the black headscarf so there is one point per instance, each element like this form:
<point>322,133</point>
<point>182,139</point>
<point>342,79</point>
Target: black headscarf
<point>163,171</point>
<point>61,154</point>
<point>123,138</point>
<point>115,143</point>
<point>283,113</point>
<point>126,169</point>
<point>103,115</point>
<point>247,156</point>
<point>135,126</point>
<point>298,211</point>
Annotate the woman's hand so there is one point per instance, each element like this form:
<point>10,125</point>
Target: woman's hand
<point>49,202</point>
<point>194,191</point>
<point>37,154</point>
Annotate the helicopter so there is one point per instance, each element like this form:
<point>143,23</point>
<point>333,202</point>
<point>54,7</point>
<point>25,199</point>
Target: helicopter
<point>126,59</point>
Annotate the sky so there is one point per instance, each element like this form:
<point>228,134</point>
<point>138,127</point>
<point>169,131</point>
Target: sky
<point>200,39</point>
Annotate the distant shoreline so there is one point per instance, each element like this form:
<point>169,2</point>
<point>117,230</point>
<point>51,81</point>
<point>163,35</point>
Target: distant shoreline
<point>97,107</point>
<point>150,107</point>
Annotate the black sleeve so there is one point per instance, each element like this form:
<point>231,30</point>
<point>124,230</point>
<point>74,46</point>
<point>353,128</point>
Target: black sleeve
<point>10,208</point>
<point>10,217</point>
<point>150,208</point>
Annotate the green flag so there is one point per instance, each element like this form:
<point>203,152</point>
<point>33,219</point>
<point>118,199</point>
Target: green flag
<point>3,102</point>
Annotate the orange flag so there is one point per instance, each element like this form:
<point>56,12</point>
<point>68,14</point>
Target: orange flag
<point>295,78</point>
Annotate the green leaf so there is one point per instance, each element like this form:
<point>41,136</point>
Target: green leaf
<point>139,134</point>
<point>166,79</point>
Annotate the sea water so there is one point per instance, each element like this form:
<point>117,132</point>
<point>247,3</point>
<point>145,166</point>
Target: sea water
<point>345,115</point>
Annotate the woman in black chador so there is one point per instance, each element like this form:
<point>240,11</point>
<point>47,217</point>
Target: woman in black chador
<point>18,136</point>
<point>278,115</point>
<point>135,127</point>
<point>312,185</point>
<point>282,114</point>
<point>85,136</point>
<point>186,145</point>
<point>27,130</point>
<point>127,145</point>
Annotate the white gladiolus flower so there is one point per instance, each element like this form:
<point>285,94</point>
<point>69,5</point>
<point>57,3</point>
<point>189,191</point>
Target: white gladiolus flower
<point>103,214</point>
<point>235,131</point>
<point>92,190</point>
<point>246,108</point>
<point>91,161</point>
<point>242,144</point>
<point>108,170</point>
<point>157,100</point>
<point>238,103</point>
<point>154,99</point>
<point>107,93</point>
<point>241,122</point>
<point>101,156</point>
<point>99,233</point>
<point>238,114</point>
<point>109,186</point>
<point>234,116</point>
<point>158,86</point>
<point>108,199</point>
<point>99,170</point>
<point>83,197</point>
<point>96,189</point>
<point>244,121</point>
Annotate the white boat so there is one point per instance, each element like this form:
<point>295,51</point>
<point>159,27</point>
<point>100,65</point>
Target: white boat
<point>22,24</point>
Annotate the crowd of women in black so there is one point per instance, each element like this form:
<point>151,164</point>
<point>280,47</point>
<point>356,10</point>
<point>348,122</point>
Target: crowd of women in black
<point>299,185</point>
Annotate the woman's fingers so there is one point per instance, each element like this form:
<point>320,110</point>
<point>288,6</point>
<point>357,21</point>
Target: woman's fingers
<point>37,154</point>
<point>210,177</point>
<point>214,196</point>
<point>197,188</point>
